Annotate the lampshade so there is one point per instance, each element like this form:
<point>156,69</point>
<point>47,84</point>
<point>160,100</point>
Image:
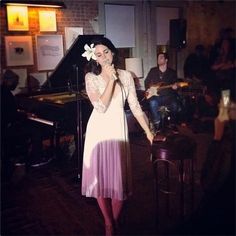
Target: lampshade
<point>35,3</point>
<point>135,66</point>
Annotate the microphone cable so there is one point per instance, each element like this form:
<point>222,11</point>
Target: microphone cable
<point>125,129</point>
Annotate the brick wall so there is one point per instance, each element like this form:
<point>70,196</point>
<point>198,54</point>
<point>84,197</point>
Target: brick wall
<point>77,14</point>
<point>204,20</point>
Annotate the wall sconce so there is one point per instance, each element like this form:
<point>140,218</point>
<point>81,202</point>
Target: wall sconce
<point>135,66</point>
<point>34,3</point>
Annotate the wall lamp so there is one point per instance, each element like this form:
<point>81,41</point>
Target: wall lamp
<point>135,66</point>
<point>34,3</point>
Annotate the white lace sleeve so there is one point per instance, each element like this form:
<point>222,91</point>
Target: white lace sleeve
<point>92,89</point>
<point>132,98</point>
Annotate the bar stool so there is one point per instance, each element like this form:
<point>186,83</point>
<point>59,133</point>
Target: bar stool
<point>173,152</point>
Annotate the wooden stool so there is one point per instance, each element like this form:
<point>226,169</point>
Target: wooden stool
<point>176,148</point>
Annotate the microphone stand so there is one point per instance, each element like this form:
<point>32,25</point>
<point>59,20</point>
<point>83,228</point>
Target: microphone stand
<point>79,126</point>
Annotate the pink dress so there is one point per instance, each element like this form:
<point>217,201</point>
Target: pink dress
<point>106,160</point>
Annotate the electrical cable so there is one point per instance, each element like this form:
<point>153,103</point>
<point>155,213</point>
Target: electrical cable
<point>125,130</point>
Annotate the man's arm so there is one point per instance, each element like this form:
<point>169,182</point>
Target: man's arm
<point>152,75</point>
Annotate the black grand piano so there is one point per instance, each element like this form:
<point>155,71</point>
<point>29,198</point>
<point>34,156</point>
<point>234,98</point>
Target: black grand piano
<point>61,103</point>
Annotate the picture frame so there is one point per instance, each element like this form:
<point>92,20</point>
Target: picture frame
<point>71,33</point>
<point>49,50</point>
<point>17,18</point>
<point>19,50</point>
<point>47,21</point>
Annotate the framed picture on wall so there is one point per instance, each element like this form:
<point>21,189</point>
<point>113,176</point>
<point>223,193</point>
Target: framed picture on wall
<point>71,33</point>
<point>47,21</point>
<point>17,18</point>
<point>49,51</point>
<point>19,50</point>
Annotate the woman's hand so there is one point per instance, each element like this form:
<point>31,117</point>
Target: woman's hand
<point>110,71</point>
<point>150,136</point>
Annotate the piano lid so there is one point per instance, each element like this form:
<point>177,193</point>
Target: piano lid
<point>65,72</point>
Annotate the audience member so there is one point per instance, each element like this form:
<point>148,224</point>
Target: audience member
<point>224,66</point>
<point>215,214</point>
<point>197,66</point>
<point>224,33</point>
<point>217,160</point>
<point>222,60</point>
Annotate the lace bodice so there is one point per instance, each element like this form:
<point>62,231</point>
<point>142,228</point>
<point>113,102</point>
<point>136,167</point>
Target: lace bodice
<point>95,86</point>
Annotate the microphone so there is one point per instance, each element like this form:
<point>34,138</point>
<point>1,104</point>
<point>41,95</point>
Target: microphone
<point>114,74</point>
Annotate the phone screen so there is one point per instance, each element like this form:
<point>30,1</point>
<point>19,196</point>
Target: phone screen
<point>225,95</point>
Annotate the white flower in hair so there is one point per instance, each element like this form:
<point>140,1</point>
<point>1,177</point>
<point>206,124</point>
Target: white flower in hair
<point>89,52</point>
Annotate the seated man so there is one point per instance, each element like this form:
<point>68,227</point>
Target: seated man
<point>161,86</point>
<point>11,122</point>
<point>17,134</point>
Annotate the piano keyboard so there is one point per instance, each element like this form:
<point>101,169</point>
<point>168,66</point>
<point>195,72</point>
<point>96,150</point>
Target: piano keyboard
<point>40,120</point>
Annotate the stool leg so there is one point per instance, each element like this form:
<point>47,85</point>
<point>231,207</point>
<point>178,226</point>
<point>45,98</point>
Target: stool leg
<point>192,186</point>
<point>181,171</point>
<point>27,158</point>
<point>156,189</point>
<point>167,187</point>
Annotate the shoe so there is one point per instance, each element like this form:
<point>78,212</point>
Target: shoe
<point>117,228</point>
<point>20,162</point>
<point>41,162</point>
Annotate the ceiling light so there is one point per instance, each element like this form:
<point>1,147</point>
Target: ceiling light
<point>34,3</point>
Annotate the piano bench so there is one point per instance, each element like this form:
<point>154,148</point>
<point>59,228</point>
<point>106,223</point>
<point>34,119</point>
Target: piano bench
<point>15,145</point>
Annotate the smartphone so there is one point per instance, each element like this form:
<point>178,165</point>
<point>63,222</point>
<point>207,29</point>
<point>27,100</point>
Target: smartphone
<point>225,96</point>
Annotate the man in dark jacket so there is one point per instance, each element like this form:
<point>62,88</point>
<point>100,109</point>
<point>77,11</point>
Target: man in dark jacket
<point>161,89</point>
<point>16,132</point>
<point>8,103</point>
<point>9,119</point>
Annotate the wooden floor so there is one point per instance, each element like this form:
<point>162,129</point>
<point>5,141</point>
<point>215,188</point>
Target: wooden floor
<point>47,200</point>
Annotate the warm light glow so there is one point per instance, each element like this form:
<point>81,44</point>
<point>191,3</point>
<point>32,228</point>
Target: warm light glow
<point>47,21</point>
<point>32,5</point>
<point>17,18</point>
<point>135,66</point>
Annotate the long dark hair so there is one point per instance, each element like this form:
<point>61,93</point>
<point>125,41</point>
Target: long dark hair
<point>92,65</point>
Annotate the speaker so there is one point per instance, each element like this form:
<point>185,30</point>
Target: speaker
<point>178,33</point>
